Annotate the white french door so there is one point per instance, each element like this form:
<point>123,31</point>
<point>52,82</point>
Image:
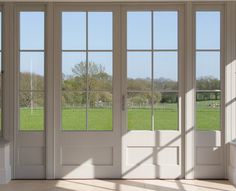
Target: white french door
<point>118,91</point>
<point>87,143</point>
<point>29,153</point>
<point>153,90</point>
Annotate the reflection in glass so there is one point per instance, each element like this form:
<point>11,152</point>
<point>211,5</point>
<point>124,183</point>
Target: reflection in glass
<point>166,71</point>
<point>139,111</point>
<point>208,29</point>
<point>73,110</point>
<point>139,71</point>
<point>208,111</point>
<point>165,29</point>
<point>31,110</point>
<point>74,71</point>
<point>100,110</point>
<point>31,71</point>
<point>139,30</point>
<point>100,71</point>
<point>165,111</point>
<point>32,30</point>
<point>73,30</point>
<point>100,31</point>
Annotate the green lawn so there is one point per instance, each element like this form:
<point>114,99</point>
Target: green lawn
<point>165,118</point>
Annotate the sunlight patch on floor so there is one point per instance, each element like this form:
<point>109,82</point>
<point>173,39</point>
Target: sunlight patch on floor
<point>118,185</point>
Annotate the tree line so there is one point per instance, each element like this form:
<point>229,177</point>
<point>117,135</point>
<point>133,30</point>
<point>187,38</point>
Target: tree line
<point>90,83</point>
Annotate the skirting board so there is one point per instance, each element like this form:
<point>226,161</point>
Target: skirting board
<point>5,175</point>
<point>232,175</point>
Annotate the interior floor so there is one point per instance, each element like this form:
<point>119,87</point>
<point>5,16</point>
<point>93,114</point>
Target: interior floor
<point>118,185</point>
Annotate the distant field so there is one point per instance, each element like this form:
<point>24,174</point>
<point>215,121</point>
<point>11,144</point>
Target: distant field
<point>165,118</point>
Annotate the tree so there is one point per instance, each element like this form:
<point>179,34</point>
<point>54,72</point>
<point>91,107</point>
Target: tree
<point>87,78</point>
<point>29,82</point>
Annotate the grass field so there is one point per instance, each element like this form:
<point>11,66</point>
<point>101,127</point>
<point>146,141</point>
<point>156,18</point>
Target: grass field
<point>165,118</point>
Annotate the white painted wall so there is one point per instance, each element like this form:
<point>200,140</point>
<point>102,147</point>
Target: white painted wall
<point>232,163</point>
<point>5,168</point>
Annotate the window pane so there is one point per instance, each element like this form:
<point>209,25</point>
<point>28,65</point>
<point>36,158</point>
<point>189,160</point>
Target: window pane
<point>207,29</point>
<point>139,111</point>
<point>165,71</point>
<point>165,29</point>
<point>32,30</point>
<point>139,71</point>
<point>100,31</point>
<point>31,110</point>
<point>139,30</point>
<point>208,111</point>
<point>99,111</point>
<point>31,71</point>
<point>100,71</point>
<point>73,110</point>
<point>73,30</point>
<point>208,70</point>
<point>165,111</point>
<point>74,71</point>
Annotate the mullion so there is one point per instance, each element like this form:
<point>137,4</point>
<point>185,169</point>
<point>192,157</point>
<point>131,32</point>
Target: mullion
<point>208,50</point>
<point>87,51</point>
<point>31,50</point>
<point>210,91</point>
<point>31,90</point>
<point>83,91</point>
<point>150,50</point>
<point>87,71</point>
<point>152,73</point>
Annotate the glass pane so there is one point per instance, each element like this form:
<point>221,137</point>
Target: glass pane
<point>139,71</point>
<point>208,70</point>
<point>32,30</point>
<point>165,111</point>
<point>31,71</point>
<point>100,30</point>
<point>164,77</point>
<point>139,30</point>
<point>165,29</point>
<point>74,71</point>
<point>31,111</point>
<point>139,111</point>
<point>99,111</point>
<point>208,111</point>
<point>73,110</point>
<point>100,71</point>
<point>208,29</point>
<point>73,30</point>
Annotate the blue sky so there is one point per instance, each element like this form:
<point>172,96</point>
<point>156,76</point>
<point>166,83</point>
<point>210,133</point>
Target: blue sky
<point>165,32</point>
